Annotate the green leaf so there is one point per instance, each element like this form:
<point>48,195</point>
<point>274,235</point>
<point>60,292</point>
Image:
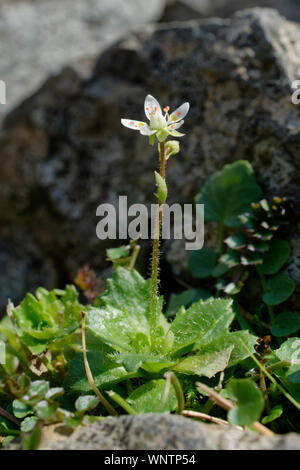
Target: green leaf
<point>277,255</point>
<point>117,253</point>
<point>294,374</point>
<point>162,190</point>
<point>249,402</point>
<point>172,148</point>
<point>285,324</point>
<point>148,398</point>
<point>38,388</point>
<point>205,364</point>
<point>202,262</point>
<point>21,409</point>
<point>289,351</point>
<point>229,259</point>
<point>220,269</point>
<point>86,402</point>
<point>279,289</point>
<point>275,413</point>
<point>151,364</point>
<point>228,193</point>
<point>45,410</point>
<point>29,423</point>
<point>235,341</point>
<point>124,312</point>
<point>54,392</point>
<point>236,241</point>
<point>106,373</point>
<point>186,299</point>
<point>202,322</point>
<point>47,317</point>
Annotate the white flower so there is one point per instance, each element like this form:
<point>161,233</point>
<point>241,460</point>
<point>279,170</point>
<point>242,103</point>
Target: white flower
<point>160,125</point>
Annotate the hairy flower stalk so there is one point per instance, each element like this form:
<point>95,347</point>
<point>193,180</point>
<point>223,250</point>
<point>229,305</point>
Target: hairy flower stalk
<point>160,126</point>
<point>155,255</point>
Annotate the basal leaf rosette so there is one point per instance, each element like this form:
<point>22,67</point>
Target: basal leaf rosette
<point>47,317</point>
<point>198,342</point>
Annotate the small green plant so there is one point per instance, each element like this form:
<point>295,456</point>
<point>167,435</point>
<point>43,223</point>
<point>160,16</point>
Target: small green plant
<point>250,247</point>
<point>123,352</point>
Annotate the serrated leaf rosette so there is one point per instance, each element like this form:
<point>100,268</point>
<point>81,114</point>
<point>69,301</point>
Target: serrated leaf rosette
<point>47,317</point>
<point>198,342</point>
<point>160,125</point>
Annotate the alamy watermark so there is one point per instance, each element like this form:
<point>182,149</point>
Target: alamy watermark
<point>179,222</point>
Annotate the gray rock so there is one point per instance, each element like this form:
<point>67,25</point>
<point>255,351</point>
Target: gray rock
<point>160,432</point>
<point>39,36</point>
<point>64,152</point>
<point>177,10</point>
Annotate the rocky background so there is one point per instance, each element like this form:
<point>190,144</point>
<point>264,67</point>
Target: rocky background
<point>63,151</point>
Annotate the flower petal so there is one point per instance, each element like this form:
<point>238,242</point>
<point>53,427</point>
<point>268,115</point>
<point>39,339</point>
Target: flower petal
<point>174,126</point>
<point>179,113</point>
<point>151,106</point>
<point>145,130</point>
<point>135,125</point>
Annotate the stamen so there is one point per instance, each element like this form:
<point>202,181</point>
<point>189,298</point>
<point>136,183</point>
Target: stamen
<point>166,109</point>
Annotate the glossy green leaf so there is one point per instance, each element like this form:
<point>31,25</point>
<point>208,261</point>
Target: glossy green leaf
<point>106,372</point>
<point>229,193</point>
<point>28,424</point>
<point>38,388</point>
<point>279,289</point>
<point>54,393</point>
<point>249,402</point>
<point>117,253</point>
<point>202,262</point>
<point>206,364</point>
<point>202,322</point>
<point>286,323</point>
<point>45,410</point>
<point>277,255</point>
<point>86,402</point>
<point>47,317</point>
<point>235,341</point>
<point>148,398</point>
<point>124,311</point>
<point>20,409</point>
<point>289,351</point>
